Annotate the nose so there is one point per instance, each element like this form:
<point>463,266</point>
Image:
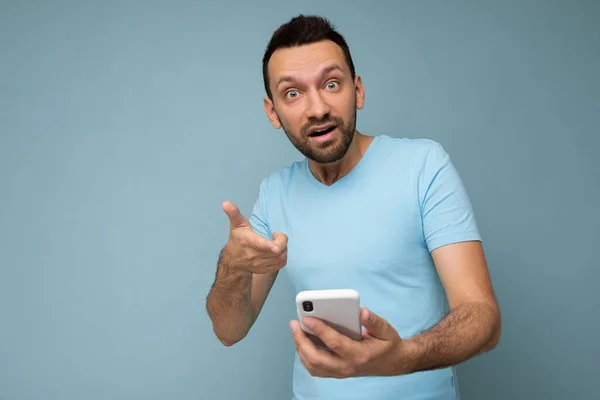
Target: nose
<point>317,106</point>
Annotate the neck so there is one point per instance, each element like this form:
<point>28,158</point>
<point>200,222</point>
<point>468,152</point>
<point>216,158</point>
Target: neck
<point>328,174</point>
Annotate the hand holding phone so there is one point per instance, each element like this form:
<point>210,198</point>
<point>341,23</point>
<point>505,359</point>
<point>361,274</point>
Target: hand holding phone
<point>338,308</point>
<point>376,351</point>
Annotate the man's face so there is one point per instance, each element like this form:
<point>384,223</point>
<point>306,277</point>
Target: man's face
<point>314,99</point>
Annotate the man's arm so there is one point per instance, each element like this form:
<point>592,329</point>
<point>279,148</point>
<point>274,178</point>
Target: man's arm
<point>246,271</point>
<point>236,299</point>
<point>472,326</point>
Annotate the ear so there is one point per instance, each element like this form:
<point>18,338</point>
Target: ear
<point>360,92</point>
<point>271,114</point>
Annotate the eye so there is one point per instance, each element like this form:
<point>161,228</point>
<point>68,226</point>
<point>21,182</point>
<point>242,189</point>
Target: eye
<point>292,94</point>
<point>332,85</point>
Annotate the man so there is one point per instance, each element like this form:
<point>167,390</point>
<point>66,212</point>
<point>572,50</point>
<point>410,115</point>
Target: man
<point>388,217</point>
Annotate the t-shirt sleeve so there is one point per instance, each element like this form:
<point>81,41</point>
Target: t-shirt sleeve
<point>258,217</point>
<point>446,210</point>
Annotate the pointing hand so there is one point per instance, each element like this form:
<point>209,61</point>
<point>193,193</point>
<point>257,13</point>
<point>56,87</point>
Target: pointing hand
<point>250,251</point>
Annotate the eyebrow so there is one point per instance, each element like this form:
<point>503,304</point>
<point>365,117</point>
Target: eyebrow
<point>325,71</point>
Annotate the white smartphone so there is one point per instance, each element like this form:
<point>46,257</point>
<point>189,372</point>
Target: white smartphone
<point>338,308</point>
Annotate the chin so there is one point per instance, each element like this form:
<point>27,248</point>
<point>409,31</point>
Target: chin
<point>329,156</point>
<point>329,152</point>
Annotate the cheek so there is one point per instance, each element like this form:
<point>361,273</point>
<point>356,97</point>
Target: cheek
<point>291,119</point>
<point>344,106</point>
<point>351,104</point>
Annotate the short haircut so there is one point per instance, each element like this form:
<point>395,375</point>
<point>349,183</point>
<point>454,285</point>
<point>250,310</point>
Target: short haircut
<point>302,30</point>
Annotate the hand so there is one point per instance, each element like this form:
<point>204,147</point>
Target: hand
<point>380,353</point>
<point>247,250</point>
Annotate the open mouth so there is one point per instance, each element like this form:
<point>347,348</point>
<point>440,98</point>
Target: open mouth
<point>321,132</point>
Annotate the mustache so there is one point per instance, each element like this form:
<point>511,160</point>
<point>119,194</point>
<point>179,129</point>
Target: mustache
<point>318,122</point>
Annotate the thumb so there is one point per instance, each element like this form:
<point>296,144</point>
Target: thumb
<point>376,326</point>
<point>281,240</point>
<point>236,219</point>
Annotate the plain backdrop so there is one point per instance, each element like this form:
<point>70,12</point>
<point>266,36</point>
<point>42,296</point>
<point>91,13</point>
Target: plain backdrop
<point>125,124</point>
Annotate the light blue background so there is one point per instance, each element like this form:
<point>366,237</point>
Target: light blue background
<point>123,125</point>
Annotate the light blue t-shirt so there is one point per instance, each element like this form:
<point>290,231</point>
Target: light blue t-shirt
<point>373,231</point>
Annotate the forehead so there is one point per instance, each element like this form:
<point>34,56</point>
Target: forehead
<point>305,60</point>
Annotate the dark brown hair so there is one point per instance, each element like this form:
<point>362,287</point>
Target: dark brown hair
<point>299,31</point>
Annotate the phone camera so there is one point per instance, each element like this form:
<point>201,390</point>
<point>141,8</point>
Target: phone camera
<point>308,306</point>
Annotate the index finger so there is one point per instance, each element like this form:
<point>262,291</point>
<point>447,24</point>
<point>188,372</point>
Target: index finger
<point>323,362</point>
<point>260,243</point>
<point>305,346</point>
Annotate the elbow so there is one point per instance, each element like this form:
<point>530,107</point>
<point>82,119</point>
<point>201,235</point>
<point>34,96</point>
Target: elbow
<point>227,336</point>
<point>227,343</point>
<point>228,340</point>
<point>497,334</point>
<point>496,328</point>
<point>493,343</point>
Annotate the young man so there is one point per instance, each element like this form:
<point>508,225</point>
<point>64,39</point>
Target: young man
<point>388,217</point>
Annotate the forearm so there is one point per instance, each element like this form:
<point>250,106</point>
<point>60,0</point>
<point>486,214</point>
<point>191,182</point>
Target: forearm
<point>229,303</point>
<point>468,330</point>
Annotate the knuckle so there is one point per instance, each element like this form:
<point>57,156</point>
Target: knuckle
<point>278,266</point>
<point>257,264</point>
<point>270,267</point>
<point>316,329</point>
<point>275,268</point>
<point>335,345</point>
<point>361,361</point>
<point>255,258</point>
<point>318,363</point>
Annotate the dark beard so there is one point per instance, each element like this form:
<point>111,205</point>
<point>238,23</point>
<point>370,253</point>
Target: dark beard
<point>327,152</point>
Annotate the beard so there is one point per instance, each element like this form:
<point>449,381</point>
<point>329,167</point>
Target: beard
<point>326,152</point>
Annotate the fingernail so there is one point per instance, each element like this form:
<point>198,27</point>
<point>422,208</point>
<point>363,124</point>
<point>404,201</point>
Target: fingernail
<point>308,323</point>
<point>292,326</point>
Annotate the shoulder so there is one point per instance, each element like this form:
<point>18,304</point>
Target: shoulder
<point>282,177</point>
<point>417,152</point>
<point>418,146</point>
